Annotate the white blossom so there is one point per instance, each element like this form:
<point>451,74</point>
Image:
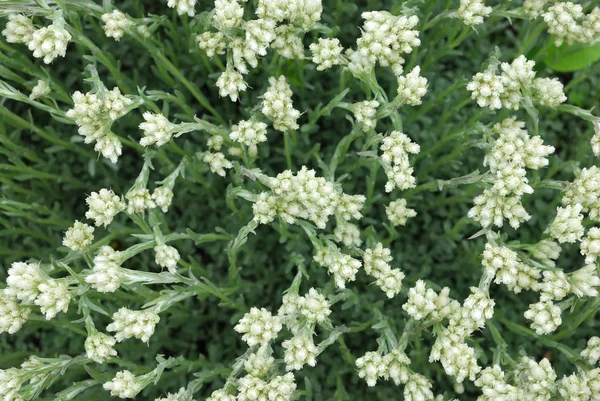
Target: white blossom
<point>116,24</point>
<point>277,105</point>
<point>99,347</point>
<point>12,313</point>
<point>544,317</point>
<point>472,12</point>
<point>166,256</point>
<point>54,297</point>
<point>18,29</point>
<point>584,282</point>
<point>412,87</point>
<point>79,237</point>
<point>124,385</point>
<point>49,42</point>
<point>258,326</point>
<point>129,323</point>
<point>326,53</point>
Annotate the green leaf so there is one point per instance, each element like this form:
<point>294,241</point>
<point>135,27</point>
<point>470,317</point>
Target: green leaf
<point>576,60</point>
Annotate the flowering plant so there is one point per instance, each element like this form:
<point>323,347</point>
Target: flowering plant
<point>275,200</point>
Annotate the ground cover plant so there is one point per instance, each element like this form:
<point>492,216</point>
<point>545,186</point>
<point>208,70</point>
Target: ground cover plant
<point>279,200</point>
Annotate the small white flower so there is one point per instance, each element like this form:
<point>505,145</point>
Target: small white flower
<point>231,83</point>
<point>139,200</point>
<point>534,8</point>
<point>116,24</point>
<point>12,313</point>
<point>41,89</point>
<point>124,385</point>
<point>487,89</point>
<point>567,225</point>
<point>326,53</point>
<point>574,388</point>
<point>347,233</point>
<point>364,112</point>
<point>49,42</point>
<point>158,130</point>
<point>314,307</point>
<point>299,351</point>
<point>342,267</point>
<point>412,87</point>
<point>54,297</point>
<point>227,14</point>
<point>183,6</point>
<point>79,237</point>
<point>562,20</point>
<point>99,347</point>
<point>213,43</point>
<point>24,280</point>
<point>592,350</point>
<point>107,273</point>
<point>128,323</point>
<point>277,105</point>
<point>544,316</point>
<point>370,367</point>
<point>18,29</point>
<point>217,162</point>
<point>221,395</point>
<point>104,206</point>
<point>417,388</point>
<point>163,196</point>
<point>584,282</point>
<point>258,326</point>
<point>555,285</point>
<point>167,256</point>
<point>548,92</point>
<point>249,132</point>
<point>472,12</point>
<point>259,363</point>
<point>398,213</point>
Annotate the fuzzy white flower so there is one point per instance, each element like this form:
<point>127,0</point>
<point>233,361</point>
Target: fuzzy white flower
<point>421,301</point>
<point>79,237</point>
<point>370,367</point>
<point>417,388</point>
<point>258,363</point>
<point>412,87</point>
<point>166,256</point>
<point>347,233</point>
<point>376,260</point>
<point>534,8</point>
<point>288,42</point>
<point>537,378</point>
<point>221,395</point>
<point>158,130</point>
<point>544,316</point>
<point>129,323</point>
<point>326,53</point>
<point>592,350</point>
<point>139,200</point>
<point>574,388</point>
<point>41,89</point>
<point>546,251</point>
<point>277,105</point>
<point>106,274</point>
<point>314,307</point>
<point>24,280</point>
<point>364,112</point>
<point>398,213</point>
<point>18,29</point>
<point>213,43</point>
<point>472,12</point>
<point>124,385</point>
<point>104,206</point>
<point>494,386</point>
<point>54,297</point>
<point>11,381</point>
<point>183,6</point>
<point>162,197</point>
<point>116,24</point>
<point>217,162</point>
<point>487,89</point>
<point>49,42</point>
<point>99,347</point>
<point>548,92</point>
<point>457,358</point>
<point>491,208</point>
<point>562,19</point>
<point>227,14</point>
<point>12,313</point>
<point>390,282</point>
<point>567,226</point>
<point>396,147</point>
<point>555,285</point>
<point>258,326</point>
<point>584,282</point>
<point>342,267</point>
<point>249,132</point>
<point>299,351</point>
<point>517,78</point>
<point>231,83</point>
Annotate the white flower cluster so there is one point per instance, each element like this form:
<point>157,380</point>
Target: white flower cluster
<point>555,285</point>
<point>546,251</point>
<point>249,132</point>
<point>129,323</point>
<point>217,162</point>
<point>347,234</point>
<point>258,326</point>
<point>494,386</point>
<point>472,12</point>
<point>300,350</point>
<point>585,281</point>
<point>342,267</point>
<point>592,350</point>
<point>364,112</point>
<point>41,89</point>
<point>450,348</point>
<point>396,148</point>
<point>326,53</point>
<point>277,105</point>
<point>584,192</point>
<point>384,38</point>
<point>124,385</point>
<point>376,261</point>
<point>183,6</point>
<point>425,304</point>
<point>516,81</point>
<point>288,43</point>
<point>13,314</point>
<point>567,226</point>
<point>509,269</point>
<point>412,87</point>
<point>106,274</point>
<point>158,130</point>
<point>79,237</point>
<point>398,213</point>
<point>567,22</point>
<point>116,24</point>
<point>11,381</point>
<point>167,257</point>
<point>251,388</point>
<point>48,42</point>
<point>99,347</point>
<point>103,207</point>
<point>536,379</point>
<point>305,196</point>
<point>94,114</point>
<point>544,316</point>
<point>534,8</point>
<point>30,285</point>
<point>511,152</point>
